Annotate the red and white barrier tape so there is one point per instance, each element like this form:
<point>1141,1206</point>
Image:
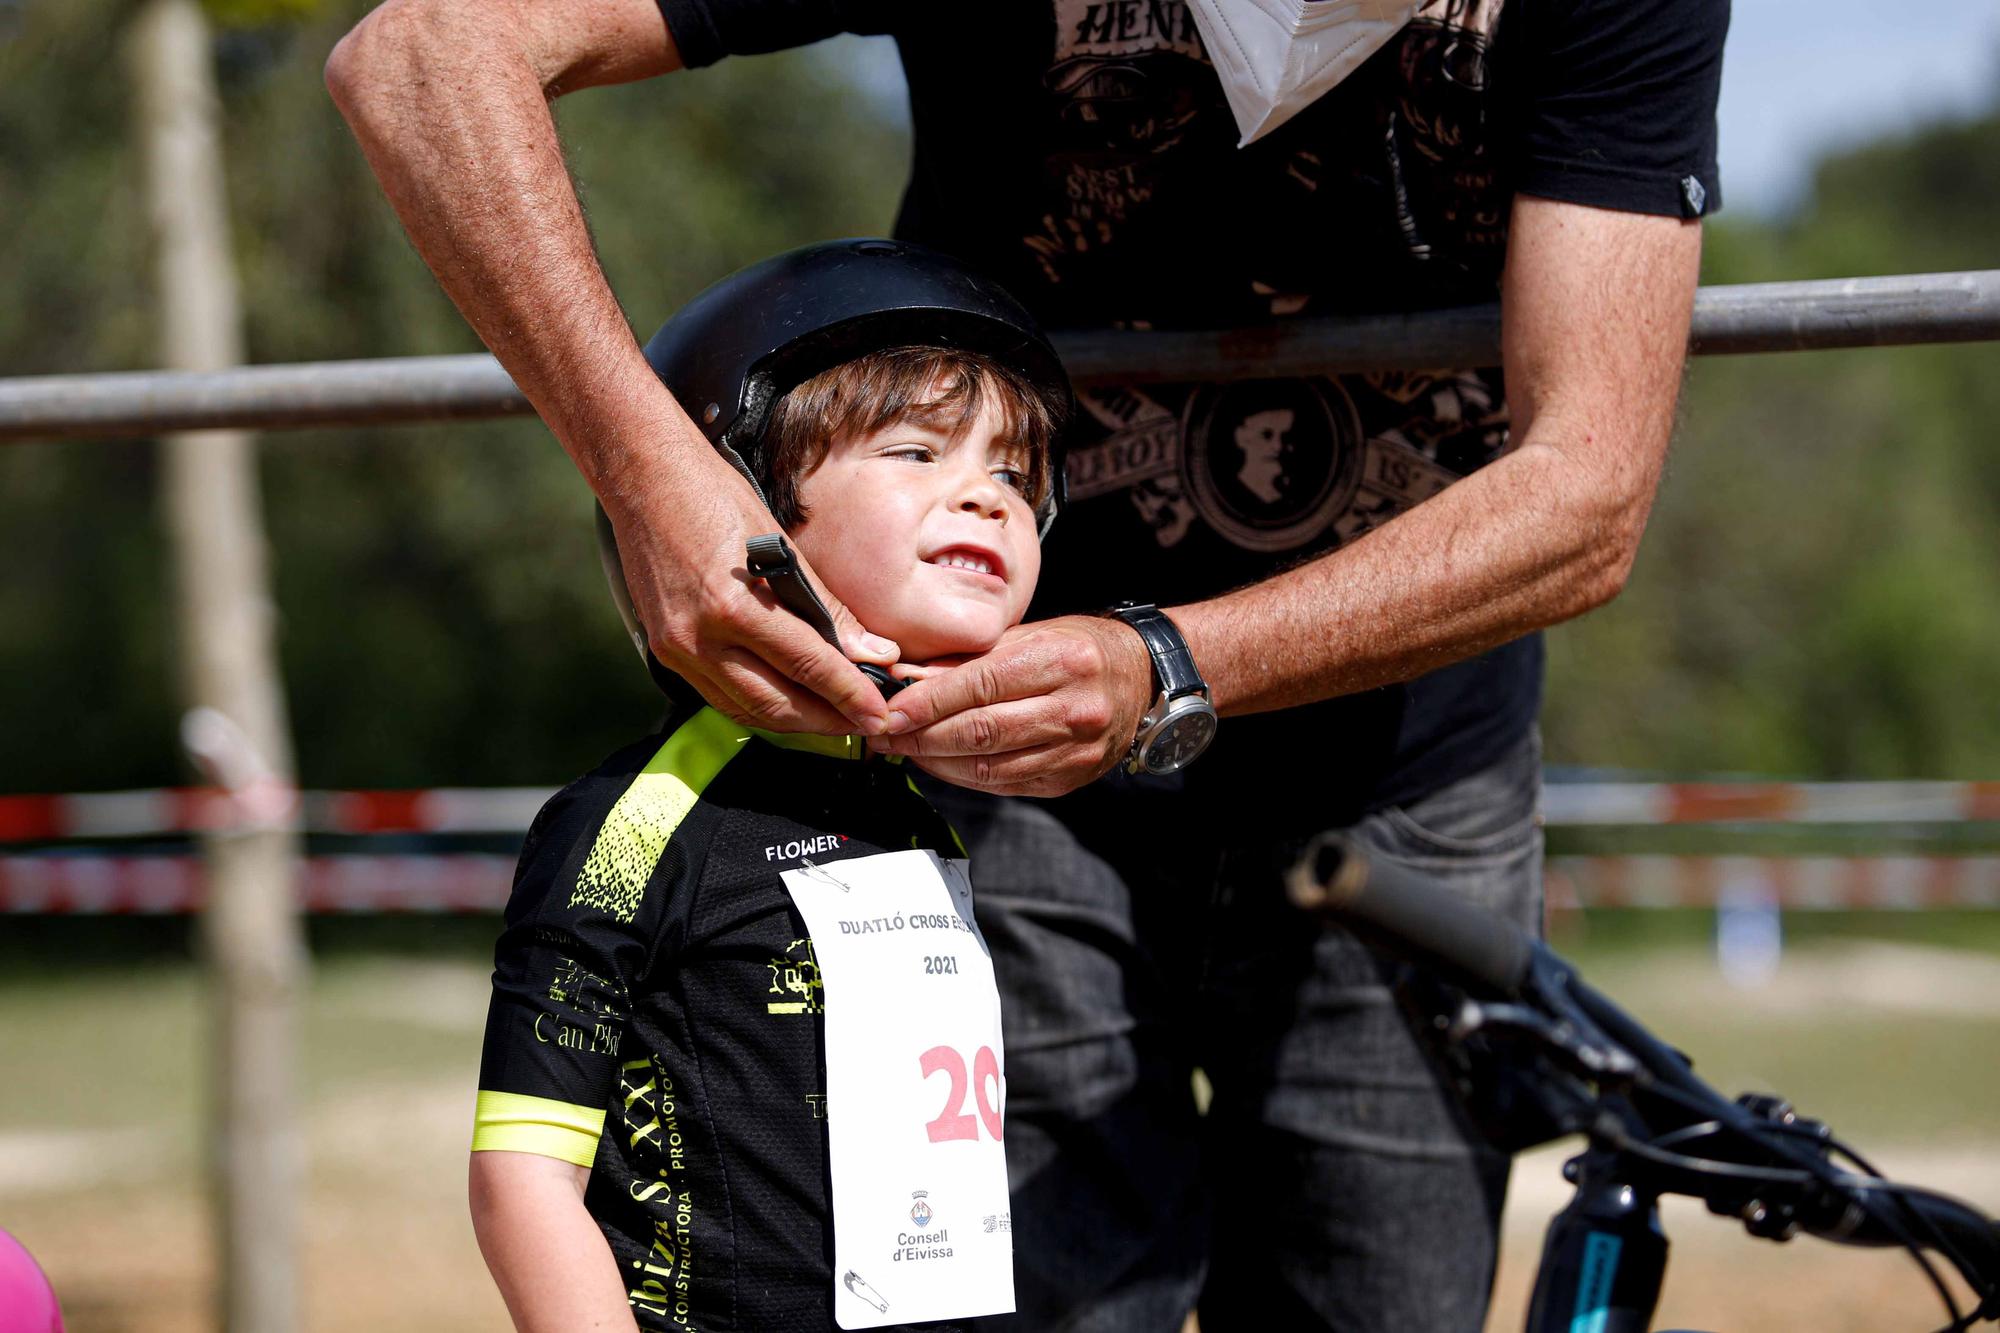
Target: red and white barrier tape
<point>159,885</point>
<point>1799,883</point>
<point>92,885</point>
<point>164,811</point>
<point>1575,803</point>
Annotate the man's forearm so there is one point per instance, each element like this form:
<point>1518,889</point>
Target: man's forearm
<point>1517,546</point>
<point>451,104</point>
<point>1596,308</point>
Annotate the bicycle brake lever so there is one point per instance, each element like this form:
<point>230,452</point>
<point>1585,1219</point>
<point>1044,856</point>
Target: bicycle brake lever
<point>1551,1014</point>
<point>1571,1036</point>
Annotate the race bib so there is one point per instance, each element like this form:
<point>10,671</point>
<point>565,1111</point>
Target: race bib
<point>914,1090</point>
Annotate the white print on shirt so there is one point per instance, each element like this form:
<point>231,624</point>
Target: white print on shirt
<point>792,851</point>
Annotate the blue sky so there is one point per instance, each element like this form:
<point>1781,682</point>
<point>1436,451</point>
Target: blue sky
<point>1799,77</point>
<point>1802,76</point>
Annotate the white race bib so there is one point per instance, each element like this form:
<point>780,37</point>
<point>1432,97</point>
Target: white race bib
<point>914,1090</point>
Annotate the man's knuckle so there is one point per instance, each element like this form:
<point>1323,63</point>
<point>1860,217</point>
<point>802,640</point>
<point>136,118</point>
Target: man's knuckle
<point>1081,659</point>
<point>1088,715</point>
<point>989,679</point>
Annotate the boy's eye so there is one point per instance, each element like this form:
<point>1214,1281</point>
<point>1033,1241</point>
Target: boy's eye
<point>1012,477</point>
<point>911,453</point>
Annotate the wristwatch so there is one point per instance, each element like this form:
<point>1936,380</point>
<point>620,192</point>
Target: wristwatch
<point>1181,722</point>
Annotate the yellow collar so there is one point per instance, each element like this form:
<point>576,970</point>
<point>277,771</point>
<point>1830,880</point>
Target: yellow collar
<point>833,747</point>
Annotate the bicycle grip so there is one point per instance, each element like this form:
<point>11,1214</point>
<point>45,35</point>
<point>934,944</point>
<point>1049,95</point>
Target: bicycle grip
<point>1412,914</point>
<point>1955,1226</point>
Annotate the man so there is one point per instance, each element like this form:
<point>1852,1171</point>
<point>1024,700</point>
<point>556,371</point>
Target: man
<point>1364,628</point>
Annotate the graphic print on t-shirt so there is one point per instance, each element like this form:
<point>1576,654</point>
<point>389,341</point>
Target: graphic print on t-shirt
<point>1121,80</point>
<point>1269,463</point>
<point>1132,94</point>
<point>1274,465</point>
<point>795,981</point>
<point>1140,133</point>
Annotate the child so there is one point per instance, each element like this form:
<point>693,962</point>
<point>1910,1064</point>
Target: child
<point>651,1134</point>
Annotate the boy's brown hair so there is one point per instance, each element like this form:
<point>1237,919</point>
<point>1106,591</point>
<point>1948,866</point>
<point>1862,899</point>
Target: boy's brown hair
<point>940,387</point>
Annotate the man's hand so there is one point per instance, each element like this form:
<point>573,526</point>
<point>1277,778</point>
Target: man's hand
<point>1051,707</point>
<point>721,630</point>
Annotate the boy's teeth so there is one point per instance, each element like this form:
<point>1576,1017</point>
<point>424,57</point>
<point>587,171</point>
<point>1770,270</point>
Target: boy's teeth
<point>956,561</point>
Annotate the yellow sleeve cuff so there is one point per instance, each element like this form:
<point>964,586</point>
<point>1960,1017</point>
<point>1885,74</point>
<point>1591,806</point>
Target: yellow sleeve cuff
<point>511,1122</point>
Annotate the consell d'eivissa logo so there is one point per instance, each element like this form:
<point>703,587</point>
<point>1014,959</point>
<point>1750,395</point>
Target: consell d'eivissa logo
<point>916,1246</point>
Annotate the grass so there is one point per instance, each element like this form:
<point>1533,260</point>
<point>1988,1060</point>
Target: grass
<point>1604,937</point>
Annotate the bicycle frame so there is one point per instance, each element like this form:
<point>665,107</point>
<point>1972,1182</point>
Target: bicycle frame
<point>1604,1258</point>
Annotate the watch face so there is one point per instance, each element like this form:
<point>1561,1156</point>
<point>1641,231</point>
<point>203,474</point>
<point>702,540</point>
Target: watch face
<point>1177,743</point>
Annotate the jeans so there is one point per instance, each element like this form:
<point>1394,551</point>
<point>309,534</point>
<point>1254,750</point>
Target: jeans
<point>1333,1182</point>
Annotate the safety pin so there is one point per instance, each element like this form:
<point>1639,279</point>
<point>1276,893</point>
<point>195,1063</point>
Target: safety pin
<point>819,872</point>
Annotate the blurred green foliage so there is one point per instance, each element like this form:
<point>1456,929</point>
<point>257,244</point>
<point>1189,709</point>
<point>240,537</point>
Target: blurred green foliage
<point>260,13</point>
<point>1819,590</point>
<point>443,618</point>
<point>1819,594</point>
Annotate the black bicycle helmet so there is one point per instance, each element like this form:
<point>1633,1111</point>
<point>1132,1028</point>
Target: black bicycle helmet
<point>732,352</point>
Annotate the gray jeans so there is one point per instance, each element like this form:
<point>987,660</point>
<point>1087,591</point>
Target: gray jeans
<point>1332,1183</point>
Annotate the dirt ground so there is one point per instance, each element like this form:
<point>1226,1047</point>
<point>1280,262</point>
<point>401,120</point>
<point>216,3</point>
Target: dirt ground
<point>99,1178</point>
<point>391,1250</point>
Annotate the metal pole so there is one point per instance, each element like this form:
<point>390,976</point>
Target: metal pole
<point>1754,317</point>
<point>236,726</point>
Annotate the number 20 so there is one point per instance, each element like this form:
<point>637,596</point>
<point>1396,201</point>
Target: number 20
<point>954,1123</point>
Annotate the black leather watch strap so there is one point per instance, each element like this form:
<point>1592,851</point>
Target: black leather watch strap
<point>1173,665</point>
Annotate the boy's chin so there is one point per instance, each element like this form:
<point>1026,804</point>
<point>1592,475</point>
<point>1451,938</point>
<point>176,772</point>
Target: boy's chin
<point>928,643</point>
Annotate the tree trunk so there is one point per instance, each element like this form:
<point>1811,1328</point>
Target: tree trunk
<point>236,726</point>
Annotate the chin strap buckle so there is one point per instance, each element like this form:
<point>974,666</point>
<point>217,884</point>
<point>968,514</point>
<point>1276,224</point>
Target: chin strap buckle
<point>770,558</point>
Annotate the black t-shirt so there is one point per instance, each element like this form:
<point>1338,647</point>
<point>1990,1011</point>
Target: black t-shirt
<point>1082,152</point>
<point>657,1010</point>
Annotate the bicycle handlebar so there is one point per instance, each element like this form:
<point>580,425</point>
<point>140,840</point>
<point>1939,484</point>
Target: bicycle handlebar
<point>1463,943</point>
<point>1965,1230</point>
<point>1492,958</point>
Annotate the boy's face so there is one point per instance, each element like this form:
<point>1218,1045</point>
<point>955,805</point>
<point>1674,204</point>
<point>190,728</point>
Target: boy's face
<point>927,539</point>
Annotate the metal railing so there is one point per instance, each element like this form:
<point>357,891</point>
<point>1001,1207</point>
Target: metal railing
<point>1751,317</point>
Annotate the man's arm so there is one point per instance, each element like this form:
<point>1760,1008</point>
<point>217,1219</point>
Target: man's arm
<point>546,1253</point>
<point>1595,307</point>
<point>450,101</point>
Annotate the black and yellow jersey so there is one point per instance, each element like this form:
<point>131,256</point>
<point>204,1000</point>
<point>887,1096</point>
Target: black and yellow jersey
<point>657,1009</point>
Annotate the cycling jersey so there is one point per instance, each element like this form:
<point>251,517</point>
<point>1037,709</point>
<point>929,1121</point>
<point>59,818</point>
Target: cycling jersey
<point>656,1010</point>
